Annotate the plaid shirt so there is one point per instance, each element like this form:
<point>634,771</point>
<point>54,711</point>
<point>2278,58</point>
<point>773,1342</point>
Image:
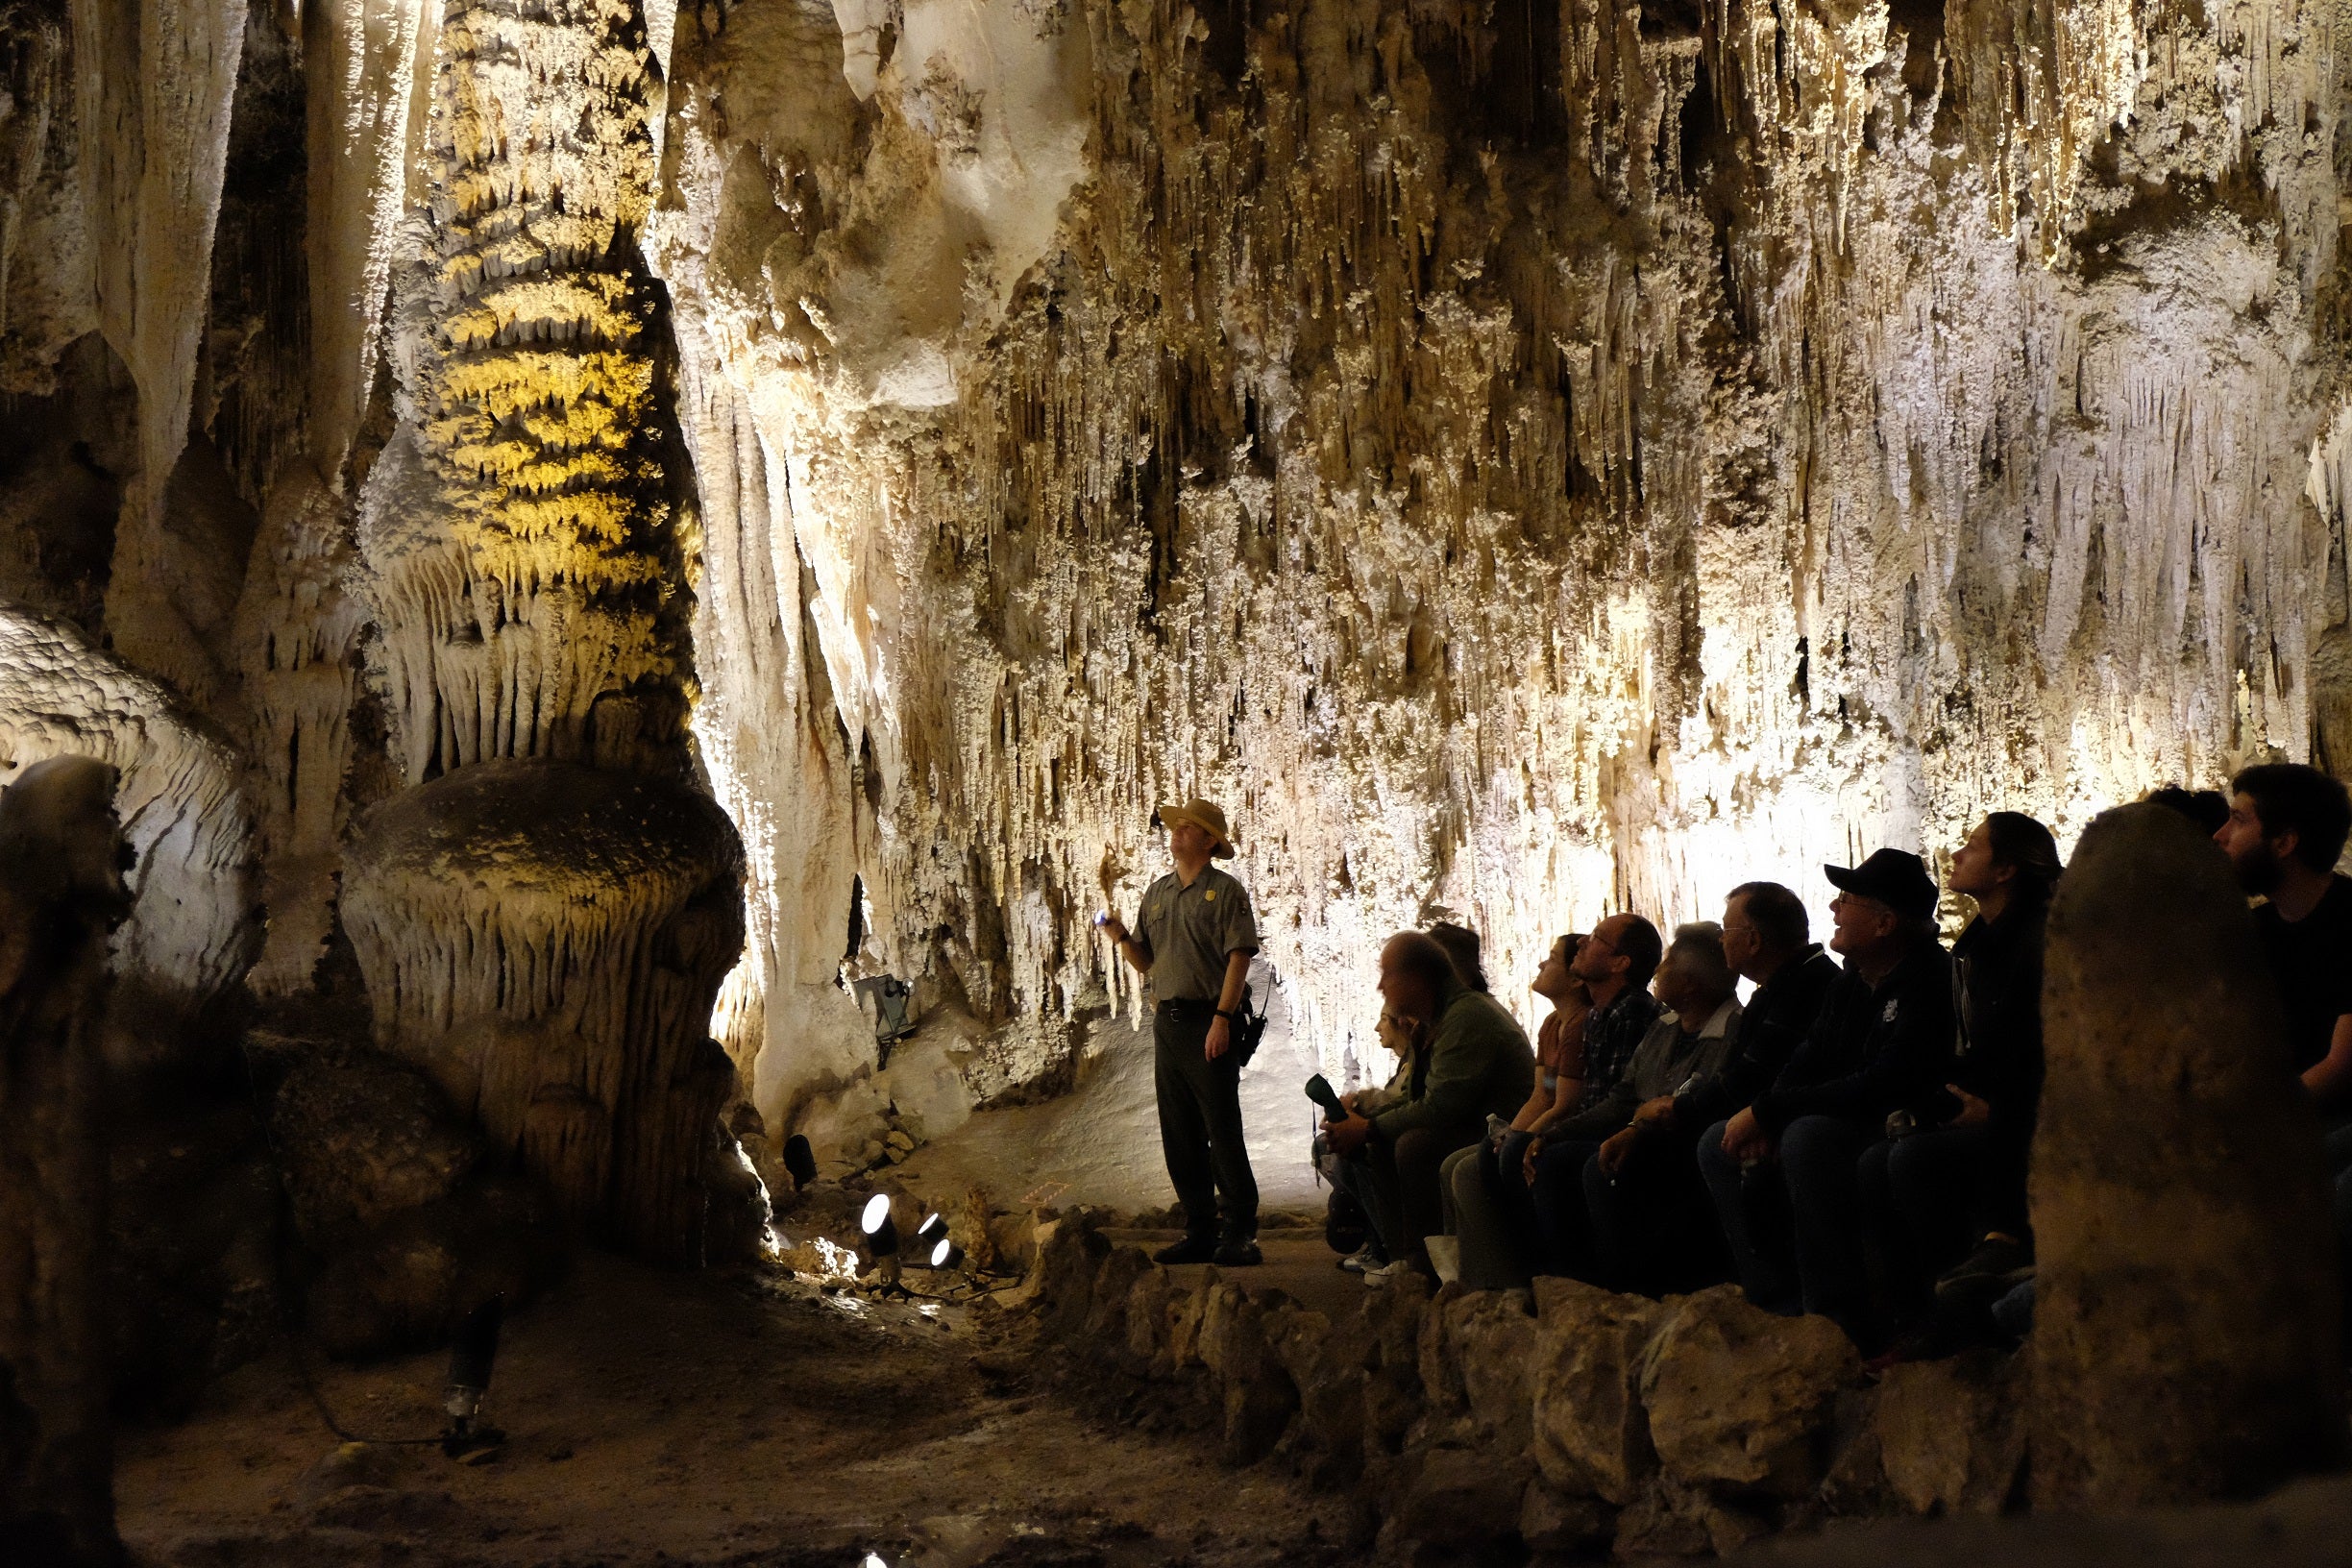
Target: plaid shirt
<point>1611,1035</point>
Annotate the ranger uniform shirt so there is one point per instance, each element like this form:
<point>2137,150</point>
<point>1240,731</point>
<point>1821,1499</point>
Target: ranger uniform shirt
<point>1191,931</point>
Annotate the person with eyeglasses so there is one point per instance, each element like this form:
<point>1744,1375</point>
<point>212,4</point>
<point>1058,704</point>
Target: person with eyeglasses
<point>1882,1045</point>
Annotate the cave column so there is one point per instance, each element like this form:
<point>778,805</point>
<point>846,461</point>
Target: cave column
<point>543,918</point>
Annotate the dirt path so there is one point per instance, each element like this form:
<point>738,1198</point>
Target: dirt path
<point>701,1419</point>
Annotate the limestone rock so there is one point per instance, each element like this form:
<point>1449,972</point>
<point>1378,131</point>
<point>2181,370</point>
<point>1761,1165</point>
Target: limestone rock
<point>359,1135</point>
<point>1950,1435</point>
<point>1453,1500</point>
<point>405,1284</point>
<point>2184,1338</point>
<point>1667,1519</point>
<point>1491,1339</point>
<point>1563,1523</point>
<point>545,939</point>
<point>61,891</point>
<point>192,925</point>
<point>1738,1397</point>
<point>1591,1432</point>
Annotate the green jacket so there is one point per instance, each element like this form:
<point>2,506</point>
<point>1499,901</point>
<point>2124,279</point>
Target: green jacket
<point>1480,1064</point>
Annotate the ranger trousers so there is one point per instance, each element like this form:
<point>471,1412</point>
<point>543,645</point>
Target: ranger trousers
<point>1200,1122</point>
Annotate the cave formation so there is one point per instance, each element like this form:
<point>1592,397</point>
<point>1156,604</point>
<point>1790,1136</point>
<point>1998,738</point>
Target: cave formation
<point>642,569</point>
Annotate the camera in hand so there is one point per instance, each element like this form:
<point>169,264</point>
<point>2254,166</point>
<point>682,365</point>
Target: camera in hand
<point>1320,1090</point>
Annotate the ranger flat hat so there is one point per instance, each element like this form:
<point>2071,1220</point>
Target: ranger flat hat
<point>1203,816</point>
<point>1896,877</point>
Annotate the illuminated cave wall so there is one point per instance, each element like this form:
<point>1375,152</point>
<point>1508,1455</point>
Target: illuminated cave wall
<point>1523,459</point>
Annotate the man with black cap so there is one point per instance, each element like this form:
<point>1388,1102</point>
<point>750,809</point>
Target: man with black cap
<point>1194,937</point>
<point>1882,1045</point>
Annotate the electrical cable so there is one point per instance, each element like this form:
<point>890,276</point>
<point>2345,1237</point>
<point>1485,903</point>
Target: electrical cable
<point>285,1320</point>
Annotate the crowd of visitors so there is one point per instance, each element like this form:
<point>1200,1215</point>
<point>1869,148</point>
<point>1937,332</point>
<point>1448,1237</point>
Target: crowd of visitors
<point>1851,1141</point>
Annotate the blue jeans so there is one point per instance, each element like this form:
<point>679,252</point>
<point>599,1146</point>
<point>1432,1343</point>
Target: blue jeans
<point>1560,1217</point>
<point>1811,1186</point>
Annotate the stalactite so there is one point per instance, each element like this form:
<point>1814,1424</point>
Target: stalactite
<point>523,573</point>
<point>1766,434</point>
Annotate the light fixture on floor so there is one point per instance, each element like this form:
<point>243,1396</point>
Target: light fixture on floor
<point>473,1352</point>
<point>799,1160</point>
<point>932,1232</point>
<point>882,1239</point>
<point>881,1230</point>
<point>945,1254</point>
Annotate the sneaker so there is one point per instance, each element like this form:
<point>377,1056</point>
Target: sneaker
<point>1389,1273</point>
<point>1996,1258</point>
<point>1363,1260</point>
<point>1239,1253</point>
<point>1193,1249</point>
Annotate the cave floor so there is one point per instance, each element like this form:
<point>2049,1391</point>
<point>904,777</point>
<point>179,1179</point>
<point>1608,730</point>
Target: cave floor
<point>683,1418</point>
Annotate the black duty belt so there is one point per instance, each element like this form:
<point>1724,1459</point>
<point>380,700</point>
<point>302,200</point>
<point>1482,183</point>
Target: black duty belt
<point>1181,1005</point>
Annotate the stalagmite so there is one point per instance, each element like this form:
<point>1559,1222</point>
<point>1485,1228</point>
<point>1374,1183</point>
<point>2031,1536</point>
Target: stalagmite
<point>546,939</point>
<point>2185,1339</point>
<point>61,891</point>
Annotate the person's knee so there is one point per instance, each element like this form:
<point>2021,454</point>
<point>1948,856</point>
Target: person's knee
<point>1420,1152</point>
<point>1819,1152</point>
<point>1713,1163</point>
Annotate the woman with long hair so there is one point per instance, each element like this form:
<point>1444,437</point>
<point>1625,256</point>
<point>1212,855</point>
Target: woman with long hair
<point>1958,1177</point>
<point>1478,1183</point>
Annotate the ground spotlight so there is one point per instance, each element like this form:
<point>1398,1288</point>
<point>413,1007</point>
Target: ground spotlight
<point>473,1352</point>
<point>945,1254</point>
<point>799,1160</point>
<point>881,1230</point>
<point>933,1230</point>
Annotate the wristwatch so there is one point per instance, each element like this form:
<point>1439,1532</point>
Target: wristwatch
<point>1228,1017</point>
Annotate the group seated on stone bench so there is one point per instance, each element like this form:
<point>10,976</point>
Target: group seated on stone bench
<point>1853,1141</point>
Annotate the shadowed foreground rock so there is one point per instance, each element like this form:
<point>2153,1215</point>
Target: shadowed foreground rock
<point>61,891</point>
<point>2185,1342</point>
<point>546,941</point>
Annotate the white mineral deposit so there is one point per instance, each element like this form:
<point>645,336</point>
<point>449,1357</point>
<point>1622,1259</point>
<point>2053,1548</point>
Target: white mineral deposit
<point>639,572</point>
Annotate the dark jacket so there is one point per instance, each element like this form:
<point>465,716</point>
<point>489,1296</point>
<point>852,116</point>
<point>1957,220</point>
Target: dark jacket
<point>1997,987</point>
<point>1478,1063</point>
<point>1874,1049</point>
<point>1779,1015</point>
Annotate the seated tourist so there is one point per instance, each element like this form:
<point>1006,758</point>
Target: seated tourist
<point>1463,947</point>
<point>1958,1178</point>
<point>1593,1158</point>
<point>1478,1063</point>
<point>1614,964</point>
<point>2286,826</point>
<point>2208,809</point>
<point>1767,937</point>
<point>1882,1044</point>
<point>1402,1041</point>
<point>1489,1255</point>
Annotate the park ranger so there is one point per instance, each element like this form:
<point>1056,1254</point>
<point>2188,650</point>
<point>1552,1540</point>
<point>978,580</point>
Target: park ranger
<point>1193,938</point>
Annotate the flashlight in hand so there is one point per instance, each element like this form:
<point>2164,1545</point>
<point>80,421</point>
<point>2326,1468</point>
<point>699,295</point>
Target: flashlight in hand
<point>1320,1090</point>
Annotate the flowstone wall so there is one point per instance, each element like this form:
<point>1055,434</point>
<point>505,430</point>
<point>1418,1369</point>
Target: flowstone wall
<point>1522,459</point>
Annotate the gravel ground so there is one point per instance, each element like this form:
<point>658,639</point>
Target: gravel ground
<point>680,1418</point>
